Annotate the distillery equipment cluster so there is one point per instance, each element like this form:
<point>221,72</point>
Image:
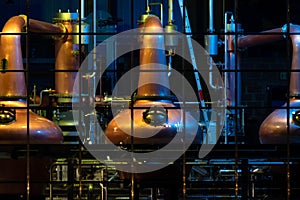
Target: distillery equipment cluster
<point>50,142</point>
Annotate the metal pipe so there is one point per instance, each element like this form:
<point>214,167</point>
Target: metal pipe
<point>226,60</point>
<point>232,77</point>
<point>171,41</point>
<point>161,10</point>
<point>262,38</point>
<point>170,12</point>
<point>95,23</point>
<point>226,30</point>
<point>211,42</point>
<point>232,61</point>
<point>147,7</point>
<point>170,65</point>
<point>211,15</point>
<point>82,9</point>
<point>103,192</point>
<point>44,27</point>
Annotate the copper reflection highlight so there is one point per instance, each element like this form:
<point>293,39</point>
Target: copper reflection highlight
<point>151,53</point>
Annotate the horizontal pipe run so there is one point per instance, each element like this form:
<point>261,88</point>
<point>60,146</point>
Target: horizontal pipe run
<point>264,37</point>
<point>44,27</point>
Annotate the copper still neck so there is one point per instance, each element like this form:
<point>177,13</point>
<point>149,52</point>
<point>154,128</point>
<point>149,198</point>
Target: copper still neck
<point>152,60</point>
<point>12,84</point>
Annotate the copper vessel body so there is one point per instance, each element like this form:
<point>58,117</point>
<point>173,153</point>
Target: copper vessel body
<point>41,130</point>
<point>282,125</point>
<point>65,60</point>
<point>119,129</point>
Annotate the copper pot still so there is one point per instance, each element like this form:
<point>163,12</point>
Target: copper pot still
<point>14,111</point>
<point>18,124</point>
<point>282,126</point>
<point>150,105</point>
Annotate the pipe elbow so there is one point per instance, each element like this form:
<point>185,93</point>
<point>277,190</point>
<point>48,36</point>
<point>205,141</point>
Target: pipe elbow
<point>15,24</point>
<point>61,29</point>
